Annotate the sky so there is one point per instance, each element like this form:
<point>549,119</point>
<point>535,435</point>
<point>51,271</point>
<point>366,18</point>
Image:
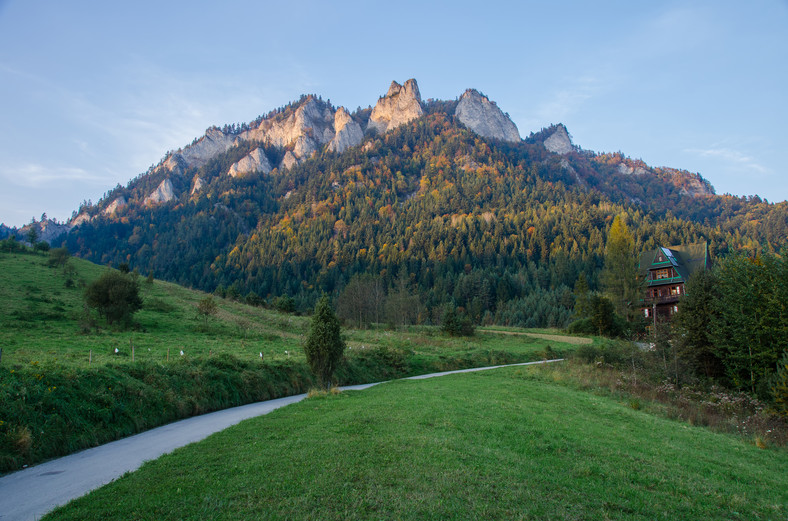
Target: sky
<point>93,93</point>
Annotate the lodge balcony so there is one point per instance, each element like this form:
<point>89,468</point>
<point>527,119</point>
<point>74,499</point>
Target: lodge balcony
<point>664,299</point>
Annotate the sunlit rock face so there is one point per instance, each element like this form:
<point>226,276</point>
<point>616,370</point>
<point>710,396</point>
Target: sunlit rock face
<point>348,133</point>
<point>559,141</point>
<point>401,104</point>
<point>254,161</point>
<point>483,116</point>
<point>162,194</point>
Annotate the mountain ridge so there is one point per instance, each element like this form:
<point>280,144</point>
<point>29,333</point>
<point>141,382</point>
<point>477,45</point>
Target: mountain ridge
<point>439,203</point>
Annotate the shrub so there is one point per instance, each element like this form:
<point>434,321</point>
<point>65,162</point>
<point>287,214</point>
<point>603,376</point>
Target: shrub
<point>285,304</point>
<point>457,324</point>
<point>584,326</point>
<point>115,295</point>
<point>206,308</point>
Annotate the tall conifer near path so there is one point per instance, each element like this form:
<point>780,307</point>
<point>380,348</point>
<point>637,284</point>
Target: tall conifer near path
<point>324,345</point>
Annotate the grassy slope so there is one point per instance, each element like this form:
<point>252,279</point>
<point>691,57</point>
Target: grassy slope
<point>41,324</point>
<point>52,402</point>
<point>493,445</point>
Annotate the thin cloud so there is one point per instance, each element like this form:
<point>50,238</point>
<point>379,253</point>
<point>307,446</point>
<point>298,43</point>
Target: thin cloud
<point>572,98</point>
<point>35,175</point>
<point>730,155</point>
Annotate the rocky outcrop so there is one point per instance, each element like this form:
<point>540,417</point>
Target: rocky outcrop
<point>114,206</point>
<point>559,141</point>
<point>483,116</point>
<point>255,161</point>
<point>289,161</point>
<point>348,133</point>
<point>84,217</point>
<point>314,117</point>
<point>48,230</point>
<point>163,193</point>
<point>626,169</point>
<point>201,151</point>
<point>307,129</point>
<point>174,163</point>
<point>697,188</point>
<point>401,104</point>
<point>197,186</point>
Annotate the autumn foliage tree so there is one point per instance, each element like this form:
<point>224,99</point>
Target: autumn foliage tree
<point>620,275</point>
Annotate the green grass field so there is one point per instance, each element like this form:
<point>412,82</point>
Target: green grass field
<point>502,444</point>
<point>63,388</point>
<point>42,317</point>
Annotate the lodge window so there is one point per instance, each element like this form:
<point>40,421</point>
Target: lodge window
<point>647,312</point>
<point>662,274</point>
<point>675,290</point>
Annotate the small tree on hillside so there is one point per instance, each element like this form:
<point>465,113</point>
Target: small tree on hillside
<point>116,296</point>
<point>324,345</point>
<point>206,308</point>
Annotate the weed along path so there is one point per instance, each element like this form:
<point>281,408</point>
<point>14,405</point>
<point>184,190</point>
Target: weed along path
<point>28,494</point>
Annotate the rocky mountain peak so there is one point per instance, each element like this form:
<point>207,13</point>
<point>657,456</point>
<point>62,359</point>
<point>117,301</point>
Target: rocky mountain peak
<point>483,116</point>
<point>401,104</point>
<point>559,141</point>
<point>309,127</point>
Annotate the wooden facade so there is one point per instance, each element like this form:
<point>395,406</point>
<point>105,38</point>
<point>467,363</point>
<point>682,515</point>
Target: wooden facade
<point>665,272</point>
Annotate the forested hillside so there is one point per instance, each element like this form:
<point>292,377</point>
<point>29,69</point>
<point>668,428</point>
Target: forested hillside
<point>429,209</point>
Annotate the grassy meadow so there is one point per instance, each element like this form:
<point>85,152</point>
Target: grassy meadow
<point>44,322</point>
<point>64,388</point>
<point>500,444</point>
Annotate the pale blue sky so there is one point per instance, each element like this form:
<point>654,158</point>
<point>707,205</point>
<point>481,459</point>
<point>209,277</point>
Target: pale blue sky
<point>92,93</point>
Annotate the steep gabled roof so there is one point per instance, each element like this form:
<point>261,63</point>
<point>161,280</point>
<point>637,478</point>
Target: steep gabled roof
<point>686,259</point>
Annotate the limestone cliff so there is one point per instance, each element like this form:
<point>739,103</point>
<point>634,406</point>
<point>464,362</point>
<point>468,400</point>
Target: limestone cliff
<point>47,229</point>
<point>162,194</point>
<point>559,141</point>
<point>289,161</point>
<point>84,217</point>
<point>483,116</point>
<point>307,129</point>
<point>114,206</point>
<point>197,186</point>
<point>255,161</point>
<point>401,104</point>
<point>348,133</point>
<point>201,151</point>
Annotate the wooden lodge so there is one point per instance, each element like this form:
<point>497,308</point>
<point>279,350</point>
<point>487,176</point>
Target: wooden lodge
<point>666,271</point>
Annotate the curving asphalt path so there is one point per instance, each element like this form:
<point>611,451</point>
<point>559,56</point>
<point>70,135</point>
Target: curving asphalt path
<point>28,494</point>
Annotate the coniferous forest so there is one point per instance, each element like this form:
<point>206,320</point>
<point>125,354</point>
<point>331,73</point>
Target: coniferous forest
<point>429,211</point>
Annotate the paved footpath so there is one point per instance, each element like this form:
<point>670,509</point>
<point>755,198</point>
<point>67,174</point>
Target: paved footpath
<point>28,494</point>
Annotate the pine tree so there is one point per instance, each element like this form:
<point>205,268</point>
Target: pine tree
<point>694,323</point>
<point>324,345</point>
